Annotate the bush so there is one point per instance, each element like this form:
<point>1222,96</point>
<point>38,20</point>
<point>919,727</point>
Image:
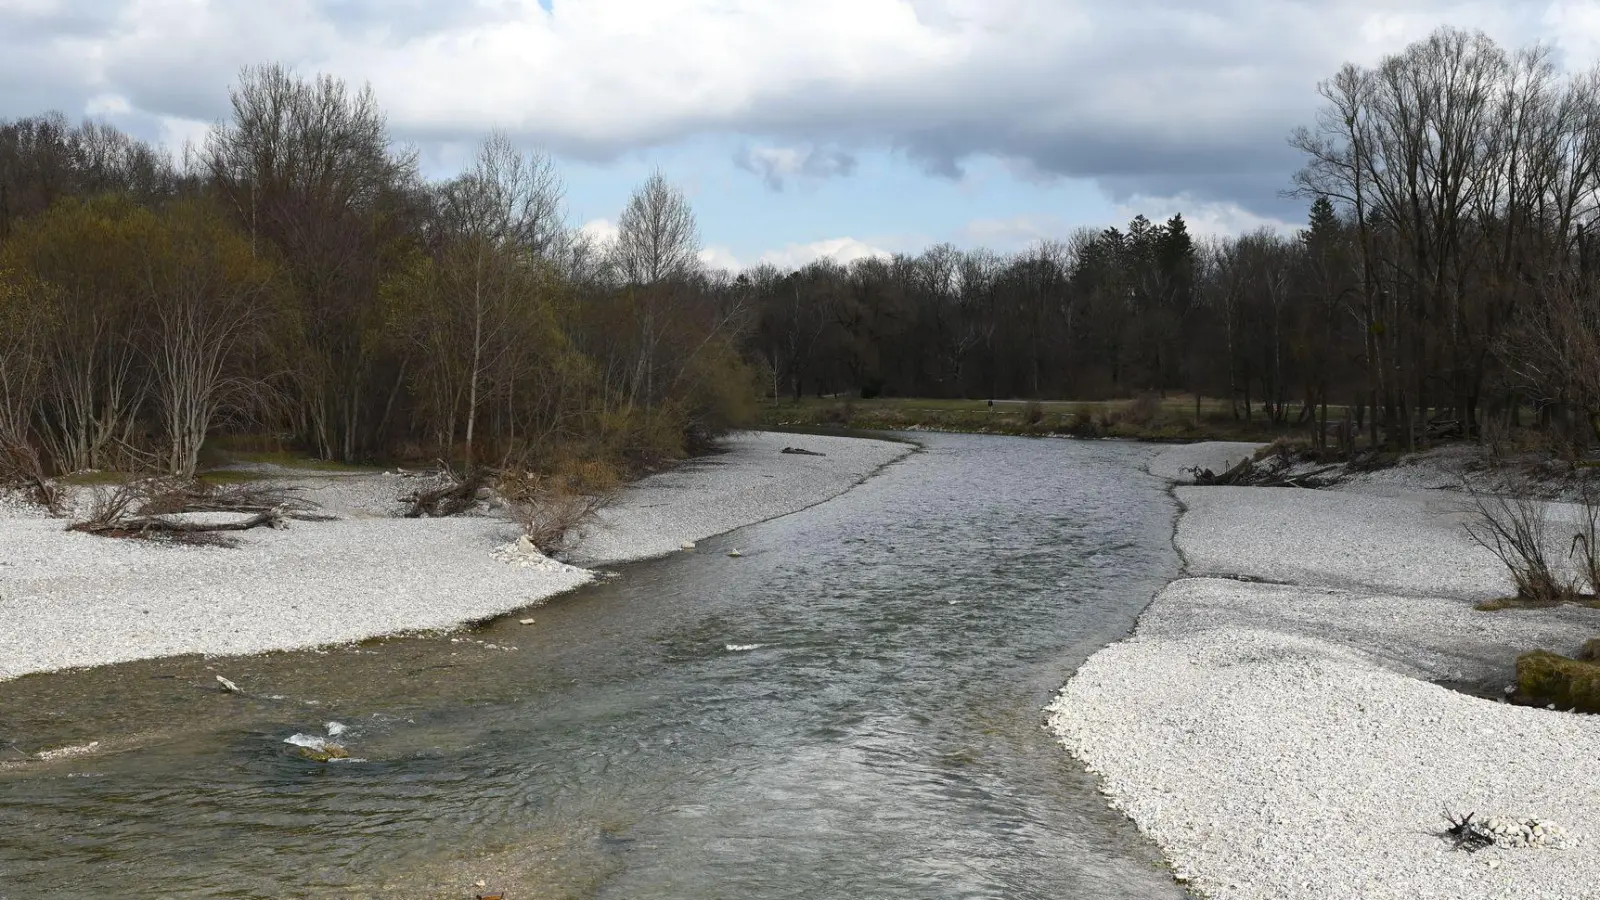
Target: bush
<point>1033,413</point>
<point>556,509</point>
<point>22,470</point>
<point>841,413</point>
<point>1586,542</point>
<point>1144,411</point>
<point>1517,531</point>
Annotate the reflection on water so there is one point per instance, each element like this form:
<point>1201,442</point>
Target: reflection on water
<point>850,709</point>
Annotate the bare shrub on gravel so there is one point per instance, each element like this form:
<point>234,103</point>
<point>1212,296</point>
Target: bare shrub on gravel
<point>1586,542</point>
<point>1516,529</point>
<point>23,471</point>
<point>554,510</point>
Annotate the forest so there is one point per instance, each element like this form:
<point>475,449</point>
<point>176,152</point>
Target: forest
<point>295,279</point>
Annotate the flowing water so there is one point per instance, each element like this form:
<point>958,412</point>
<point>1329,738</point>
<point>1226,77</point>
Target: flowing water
<point>850,709</point>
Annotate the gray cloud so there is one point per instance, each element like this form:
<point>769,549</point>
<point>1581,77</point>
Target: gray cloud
<point>775,165</point>
<point>1144,97</point>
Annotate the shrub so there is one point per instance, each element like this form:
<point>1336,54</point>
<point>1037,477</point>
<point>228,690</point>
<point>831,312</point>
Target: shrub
<point>841,413</point>
<point>1586,542</point>
<point>1033,413</point>
<point>23,471</point>
<point>555,509</point>
<point>1144,411</point>
<point>1516,530</point>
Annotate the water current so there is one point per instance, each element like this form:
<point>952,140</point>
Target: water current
<point>850,709</point>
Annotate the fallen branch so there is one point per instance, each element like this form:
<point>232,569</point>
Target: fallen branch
<point>145,510</point>
<point>146,526</point>
<point>1466,834</point>
<point>1249,473</point>
<point>460,494</point>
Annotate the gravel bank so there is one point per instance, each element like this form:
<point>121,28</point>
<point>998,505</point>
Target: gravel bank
<point>1218,456</point>
<point>1293,741</point>
<point>70,600</point>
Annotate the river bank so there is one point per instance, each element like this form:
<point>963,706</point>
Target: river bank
<point>71,600</point>
<point>1302,739</point>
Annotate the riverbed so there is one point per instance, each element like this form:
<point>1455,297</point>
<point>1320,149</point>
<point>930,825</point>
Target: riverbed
<point>849,708</point>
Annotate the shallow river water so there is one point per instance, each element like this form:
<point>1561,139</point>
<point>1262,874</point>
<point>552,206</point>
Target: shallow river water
<point>852,709</point>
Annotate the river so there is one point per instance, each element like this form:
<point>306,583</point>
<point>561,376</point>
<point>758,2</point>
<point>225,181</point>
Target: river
<point>850,709</point>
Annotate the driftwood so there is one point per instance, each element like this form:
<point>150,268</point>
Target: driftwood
<point>199,497</point>
<point>1466,834</point>
<point>143,509</point>
<point>149,526</point>
<point>459,494</point>
<point>1249,473</point>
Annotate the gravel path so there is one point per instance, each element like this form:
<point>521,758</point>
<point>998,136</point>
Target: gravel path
<point>70,600</point>
<point>1290,741</point>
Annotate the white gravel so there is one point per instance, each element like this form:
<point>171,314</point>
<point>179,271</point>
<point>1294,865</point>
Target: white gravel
<point>1289,741</point>
<point>1218,456</point>
<point>751,482</point>
<point>69,600</point>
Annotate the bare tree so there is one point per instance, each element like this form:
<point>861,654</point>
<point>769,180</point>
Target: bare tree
<point>208,299</point>
<point>657,238</point>
<point>657,250</point>
<point>306,168</point>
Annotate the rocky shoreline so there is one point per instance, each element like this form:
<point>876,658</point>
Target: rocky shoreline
<point>1280,721</point>
<point>71,600</point>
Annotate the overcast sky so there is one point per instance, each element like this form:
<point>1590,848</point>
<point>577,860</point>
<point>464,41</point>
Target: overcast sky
<point>797,127</point>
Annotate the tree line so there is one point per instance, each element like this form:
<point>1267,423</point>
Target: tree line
<point>295,274</point>
<point>1443,282</point>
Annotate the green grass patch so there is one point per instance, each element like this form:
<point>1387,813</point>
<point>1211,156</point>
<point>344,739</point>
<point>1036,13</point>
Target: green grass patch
<point>1547,678</point>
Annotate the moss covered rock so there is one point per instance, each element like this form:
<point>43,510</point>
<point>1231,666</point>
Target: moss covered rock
<point>1547,678</point>
<point>1590,651</point>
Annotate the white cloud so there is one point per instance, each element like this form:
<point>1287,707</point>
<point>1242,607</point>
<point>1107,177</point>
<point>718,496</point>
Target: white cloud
<point>1203,218</point>
<point>602,231</point>
<point>179,134</point>
<point>107,105</point>
<point>843,250</point>
<point>720,257</point>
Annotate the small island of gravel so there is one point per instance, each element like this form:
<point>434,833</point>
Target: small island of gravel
<point>1283,721</point>
<point>70,600</point>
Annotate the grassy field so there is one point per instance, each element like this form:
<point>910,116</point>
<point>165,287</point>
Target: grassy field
<point>1170,419</point>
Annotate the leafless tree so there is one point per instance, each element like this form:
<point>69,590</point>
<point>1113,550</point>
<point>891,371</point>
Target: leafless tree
<point>207,296</point>
<point>657,237</point>
<point>306,167</point>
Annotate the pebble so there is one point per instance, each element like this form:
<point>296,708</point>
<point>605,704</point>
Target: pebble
<point>1307,720</point>
<point>70,596</point>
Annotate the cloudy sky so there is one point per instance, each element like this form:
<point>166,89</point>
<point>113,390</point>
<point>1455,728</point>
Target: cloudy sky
<point>798,128</point>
